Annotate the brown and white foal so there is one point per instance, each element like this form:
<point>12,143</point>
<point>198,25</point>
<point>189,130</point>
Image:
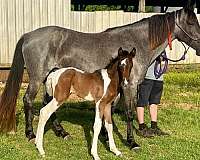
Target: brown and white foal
<point>101,86</point>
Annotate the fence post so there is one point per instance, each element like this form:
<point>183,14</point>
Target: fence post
<point>141,6</point>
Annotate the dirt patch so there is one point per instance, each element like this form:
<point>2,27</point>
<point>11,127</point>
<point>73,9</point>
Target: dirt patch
<point>186,106</point>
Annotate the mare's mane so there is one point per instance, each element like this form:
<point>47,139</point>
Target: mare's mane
<point>159,27</point>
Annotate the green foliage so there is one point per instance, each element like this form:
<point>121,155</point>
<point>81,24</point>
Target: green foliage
<point>101,8</point>
<point>91,8</point>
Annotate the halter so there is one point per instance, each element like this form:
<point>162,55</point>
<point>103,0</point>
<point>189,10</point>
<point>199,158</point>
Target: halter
<point>158,69</point>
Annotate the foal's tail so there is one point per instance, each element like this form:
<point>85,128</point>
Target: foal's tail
<point>9,96</point>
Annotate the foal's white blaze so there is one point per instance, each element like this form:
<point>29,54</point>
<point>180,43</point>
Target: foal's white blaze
<point>113,148</point>
<point>89,97</point>
<point>123,61</point>
<point>45,113</point>
<point>125,82</point>
<point>98,121</point>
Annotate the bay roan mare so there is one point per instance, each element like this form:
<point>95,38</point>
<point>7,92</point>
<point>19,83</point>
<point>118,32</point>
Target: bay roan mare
<point>101,86</point>
<point>49,47</point>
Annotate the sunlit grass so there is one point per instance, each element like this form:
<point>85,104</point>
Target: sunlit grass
<point>179,115</point>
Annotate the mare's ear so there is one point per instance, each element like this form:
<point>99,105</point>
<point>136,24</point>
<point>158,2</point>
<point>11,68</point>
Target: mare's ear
<point>120,52</point>
<point>190,5</point>
<point>133,52</point>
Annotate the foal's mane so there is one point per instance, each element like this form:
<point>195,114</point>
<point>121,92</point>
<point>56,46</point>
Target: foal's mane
<point>159,27</point>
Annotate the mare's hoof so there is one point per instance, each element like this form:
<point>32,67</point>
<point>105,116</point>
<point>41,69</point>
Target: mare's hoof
<point>31,136</point>
<point>67,136</point>
<point>135,146</point>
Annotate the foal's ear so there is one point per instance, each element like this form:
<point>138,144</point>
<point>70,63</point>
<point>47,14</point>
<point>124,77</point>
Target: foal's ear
<point>133,52</point>
<point>120,52</point>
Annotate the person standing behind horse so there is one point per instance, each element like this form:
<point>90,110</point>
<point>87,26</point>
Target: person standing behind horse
<point>149,94</point>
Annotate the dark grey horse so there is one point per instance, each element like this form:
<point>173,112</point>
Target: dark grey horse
<point>50,47</point>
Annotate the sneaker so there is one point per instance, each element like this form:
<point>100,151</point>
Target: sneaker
<point>158,132</point>
<point>145,132</point>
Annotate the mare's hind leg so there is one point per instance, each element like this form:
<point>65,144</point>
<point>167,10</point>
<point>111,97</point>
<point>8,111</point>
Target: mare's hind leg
<point>28,99</point>
<point>57,127</point>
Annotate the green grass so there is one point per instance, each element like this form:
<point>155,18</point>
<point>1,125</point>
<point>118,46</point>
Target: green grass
<point>179,114</point>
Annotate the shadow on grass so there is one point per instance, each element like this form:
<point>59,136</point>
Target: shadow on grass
<point>83,114</point>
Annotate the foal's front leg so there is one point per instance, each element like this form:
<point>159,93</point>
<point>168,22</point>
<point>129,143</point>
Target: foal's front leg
<point>97,129</point>
<point>45,113</point>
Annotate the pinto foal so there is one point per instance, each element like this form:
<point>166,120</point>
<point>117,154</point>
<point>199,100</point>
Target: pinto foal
<point>101,86</point>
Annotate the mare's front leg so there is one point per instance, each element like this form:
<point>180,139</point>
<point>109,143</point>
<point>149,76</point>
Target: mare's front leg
<point>28,99</point>
<point>57,127</point>
<point>130,98</point>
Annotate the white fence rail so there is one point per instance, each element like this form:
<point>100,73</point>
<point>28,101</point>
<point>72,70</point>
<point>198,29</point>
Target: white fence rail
<point>20,16</point>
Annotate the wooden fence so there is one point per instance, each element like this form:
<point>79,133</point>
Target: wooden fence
<point>21,16</point>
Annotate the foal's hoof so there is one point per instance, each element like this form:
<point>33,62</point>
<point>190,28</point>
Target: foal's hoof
<point>12,132</point>
<point>32,140</point>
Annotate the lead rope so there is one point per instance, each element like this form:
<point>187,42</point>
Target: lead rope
<point>159,70</point>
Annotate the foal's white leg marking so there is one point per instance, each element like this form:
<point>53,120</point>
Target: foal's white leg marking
<point>97,129</point>
<point>98,120</point>
<point>45,113</point>
<point>113,148</point>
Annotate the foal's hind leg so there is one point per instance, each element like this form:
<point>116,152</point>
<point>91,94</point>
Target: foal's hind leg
<point>45,113</point>
<point>28,99</point>
<point>109,128</point>
<point>57,127</point>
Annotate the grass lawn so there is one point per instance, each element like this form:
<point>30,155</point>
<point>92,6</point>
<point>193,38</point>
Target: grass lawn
<point>179,115</point>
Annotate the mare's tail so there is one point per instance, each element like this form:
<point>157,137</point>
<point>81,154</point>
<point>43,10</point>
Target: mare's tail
<point>9,96</point>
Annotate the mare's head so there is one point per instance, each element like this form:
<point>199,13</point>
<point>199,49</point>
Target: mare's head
<point>187,28</point>
<point>125,65</point>
<point>181,24</point>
